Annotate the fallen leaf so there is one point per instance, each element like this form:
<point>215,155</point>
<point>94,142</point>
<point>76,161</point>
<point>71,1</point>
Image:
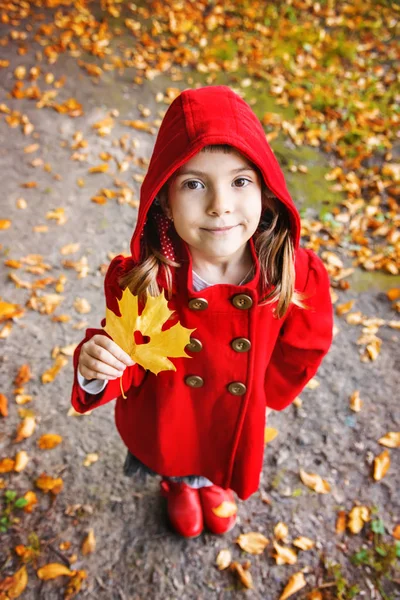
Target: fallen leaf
<point>281,531</point>
<point>342,309</point>
<point>296,582</point>
<point>25,429</point>
<point>46,483</point>
<point>284,555</point>
<point>304,543</point>
<point>243,574</point>
<point>21,460</point>
<point>49,441</point>
<point>89,543</point>
<point>223,559</point>
<point>49,375</point>
<point>23,376</point>
<point>3,405</point>
<point>357,517</point>
<point>90,459</point>
<point>32,500</point>
<point>381,465</point>
<point>74,584</point>
<point>7,465</point>
<point>390,440</point>
<point>315,482</point>
<point>396,532</point>
<point>341,522</point>
<point>313,384</point>
<point>225,509</point>
<point>53,570</point>
<point>355,401</point>
<point>252,542</point>
<point>269,434</point>
<point>393,294</point>
<point>14,585</point>
<point>103,168</point>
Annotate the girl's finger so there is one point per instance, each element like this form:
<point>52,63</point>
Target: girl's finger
<point>100,353</point>
<point>89,374</point>
<point>101,368</point>
<point>114,350</point>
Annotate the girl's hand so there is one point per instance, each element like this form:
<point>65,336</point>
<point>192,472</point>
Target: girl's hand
<point>101,358</point>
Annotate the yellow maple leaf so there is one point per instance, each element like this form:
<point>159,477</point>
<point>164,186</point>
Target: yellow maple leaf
<point>153,355</point>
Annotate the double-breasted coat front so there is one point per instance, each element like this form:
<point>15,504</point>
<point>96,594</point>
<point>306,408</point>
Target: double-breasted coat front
<point>208,417</point>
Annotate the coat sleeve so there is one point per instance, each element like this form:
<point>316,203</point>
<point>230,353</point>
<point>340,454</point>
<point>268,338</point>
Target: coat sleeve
<point>81,400</point>
<point>303,341</point>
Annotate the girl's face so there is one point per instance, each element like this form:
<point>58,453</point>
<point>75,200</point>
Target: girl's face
<point>215,202</point>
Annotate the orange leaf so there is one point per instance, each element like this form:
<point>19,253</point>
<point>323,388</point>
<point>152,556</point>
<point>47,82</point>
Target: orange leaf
<point>89,543</point>
<point>381,465</point>
<point>49,441</point>
<point>341,309</point>
<point>393,294</point>
<point>355,401</point>
<point>21,460</point>
<point>53,570</point>
<point>99,169</point>
<point>49,484</point>
<point>390,440</point>
<point>10,311</point>
<point>14,585</point>
<point>225,510</point>
<point>31,499</point>
<point>296,582</point>
<point>25,429</point>
<point>269,434</point>
<point>7,465</point>
<point>3,406</point>
<point>23,376</point>
<point>341,522</point>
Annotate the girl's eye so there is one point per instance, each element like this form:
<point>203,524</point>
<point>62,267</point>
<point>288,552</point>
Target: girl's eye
<point>187,183</point>
<point>242,179</point>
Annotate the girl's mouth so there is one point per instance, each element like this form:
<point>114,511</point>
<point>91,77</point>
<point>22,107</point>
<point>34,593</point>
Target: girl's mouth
<point>219,230</point>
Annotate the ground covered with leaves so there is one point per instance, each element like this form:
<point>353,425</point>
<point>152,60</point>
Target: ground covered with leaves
<point>84,87</point>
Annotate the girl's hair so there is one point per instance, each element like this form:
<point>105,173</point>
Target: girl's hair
<point>274,247</point>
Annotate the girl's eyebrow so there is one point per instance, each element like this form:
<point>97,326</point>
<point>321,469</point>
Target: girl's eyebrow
<point>201,173</point>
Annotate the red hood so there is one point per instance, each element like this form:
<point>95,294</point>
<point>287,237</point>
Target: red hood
<point>201,117</point>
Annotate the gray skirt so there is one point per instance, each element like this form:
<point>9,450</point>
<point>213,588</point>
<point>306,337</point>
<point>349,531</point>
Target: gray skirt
<point>133,467</point>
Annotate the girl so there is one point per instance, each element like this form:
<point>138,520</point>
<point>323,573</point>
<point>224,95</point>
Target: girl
<point>218,231</point>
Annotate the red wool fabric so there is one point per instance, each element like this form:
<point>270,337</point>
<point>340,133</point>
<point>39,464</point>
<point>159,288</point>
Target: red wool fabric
<point>179,430</point>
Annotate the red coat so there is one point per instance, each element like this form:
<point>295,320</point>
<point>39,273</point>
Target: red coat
<point>216,430</point>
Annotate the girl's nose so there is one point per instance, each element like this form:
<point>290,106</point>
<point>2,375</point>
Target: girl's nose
<point>219,204</point>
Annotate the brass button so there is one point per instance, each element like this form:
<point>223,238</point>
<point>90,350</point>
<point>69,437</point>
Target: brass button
<point>194,345</point>
<point>236,388</point>
<point>194,381</point>
<point>198,304</point>
<point>242,301</point>
<point>241,345</point>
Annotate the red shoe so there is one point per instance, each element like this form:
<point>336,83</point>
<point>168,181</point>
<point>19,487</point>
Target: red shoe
<point>183,507</point>
<point>211,497</point>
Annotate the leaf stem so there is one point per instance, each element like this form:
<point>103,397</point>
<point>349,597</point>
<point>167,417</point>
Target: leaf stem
<point>122,389</point>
